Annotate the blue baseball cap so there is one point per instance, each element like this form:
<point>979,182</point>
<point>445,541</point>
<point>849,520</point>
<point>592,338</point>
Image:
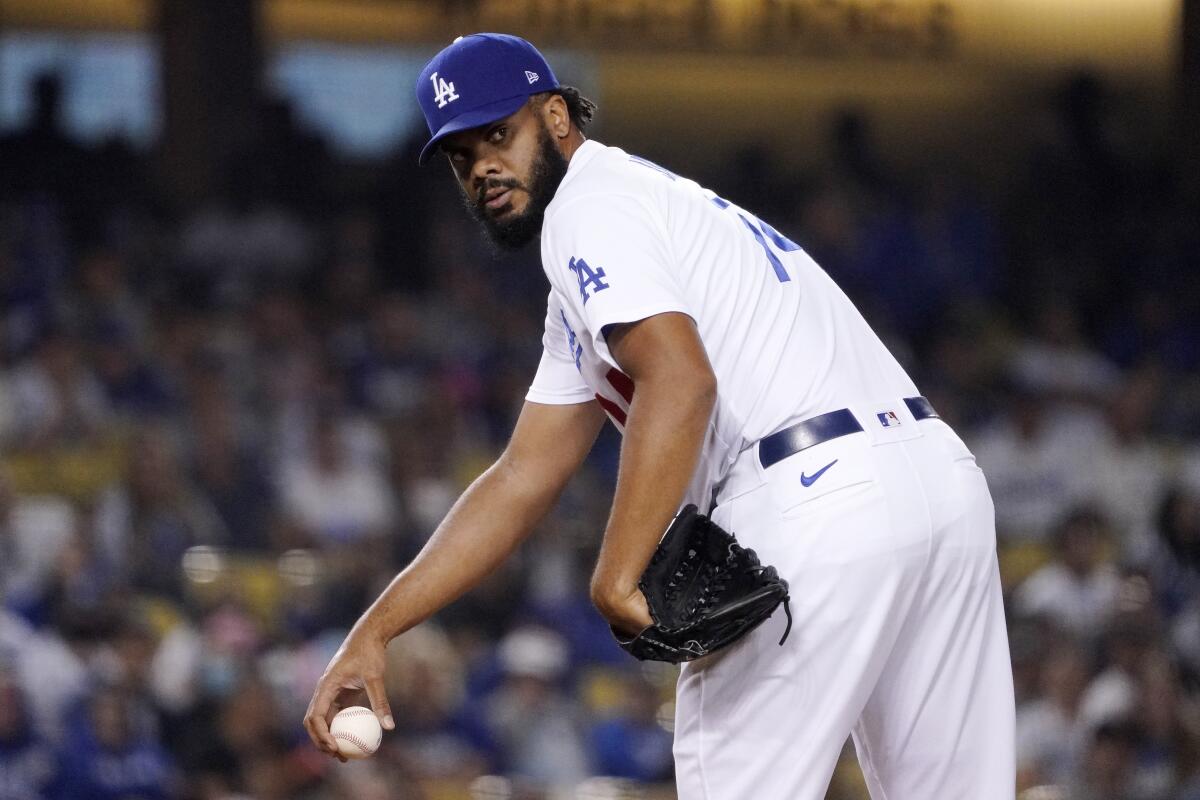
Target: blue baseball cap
<point>476,80</point>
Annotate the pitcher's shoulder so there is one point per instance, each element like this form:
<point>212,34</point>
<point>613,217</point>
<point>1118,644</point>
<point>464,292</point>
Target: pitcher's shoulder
<point>597,167</point>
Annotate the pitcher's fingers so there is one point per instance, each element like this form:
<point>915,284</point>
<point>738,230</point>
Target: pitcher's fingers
<point>318,732</point>
<point>314,718</point>
<point>377,696</point>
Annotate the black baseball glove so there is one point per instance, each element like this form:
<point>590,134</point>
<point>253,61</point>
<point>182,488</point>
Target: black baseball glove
<point>705,591</point>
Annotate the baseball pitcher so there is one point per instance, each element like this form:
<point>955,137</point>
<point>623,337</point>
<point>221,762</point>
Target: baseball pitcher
<point>745,384</point>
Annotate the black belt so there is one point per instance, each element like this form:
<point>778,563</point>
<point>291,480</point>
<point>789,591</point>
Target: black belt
<point>803,435</point>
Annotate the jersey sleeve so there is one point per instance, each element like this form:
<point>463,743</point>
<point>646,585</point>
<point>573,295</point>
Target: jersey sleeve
<point>614,259</point>
<point>557,381</point>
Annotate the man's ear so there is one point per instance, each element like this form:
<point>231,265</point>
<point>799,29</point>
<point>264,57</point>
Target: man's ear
<point>556,116</point>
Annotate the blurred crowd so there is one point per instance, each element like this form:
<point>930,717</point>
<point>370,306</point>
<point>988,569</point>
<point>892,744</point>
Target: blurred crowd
<point>225,427</point>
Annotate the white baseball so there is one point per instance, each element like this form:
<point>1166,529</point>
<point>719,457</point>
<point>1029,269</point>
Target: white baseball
<point>357,731</point>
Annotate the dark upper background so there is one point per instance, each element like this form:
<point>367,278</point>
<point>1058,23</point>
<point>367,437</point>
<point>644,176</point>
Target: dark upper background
<point>249,353</point>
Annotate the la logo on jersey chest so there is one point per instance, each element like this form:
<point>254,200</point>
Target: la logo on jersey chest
<point>443,91</point>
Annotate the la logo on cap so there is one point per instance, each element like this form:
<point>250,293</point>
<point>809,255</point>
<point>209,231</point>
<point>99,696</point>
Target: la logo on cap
<point>443,92</point>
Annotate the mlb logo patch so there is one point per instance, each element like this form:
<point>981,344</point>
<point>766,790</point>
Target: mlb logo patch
<point>888,419</point>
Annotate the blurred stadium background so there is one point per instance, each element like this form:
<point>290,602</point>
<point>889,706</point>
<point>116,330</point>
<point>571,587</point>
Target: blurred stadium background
<point>250,353</point>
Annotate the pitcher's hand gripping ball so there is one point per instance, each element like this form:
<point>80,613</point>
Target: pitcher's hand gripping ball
<point>705,591</point>
<point>357,731</point>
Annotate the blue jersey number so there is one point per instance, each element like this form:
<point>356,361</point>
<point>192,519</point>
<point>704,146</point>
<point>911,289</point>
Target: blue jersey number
<point>762,232</point>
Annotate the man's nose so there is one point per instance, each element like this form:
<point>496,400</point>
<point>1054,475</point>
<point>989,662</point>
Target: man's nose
<point>484,168</point>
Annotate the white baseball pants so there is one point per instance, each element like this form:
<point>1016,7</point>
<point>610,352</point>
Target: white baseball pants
<point>898,637</point>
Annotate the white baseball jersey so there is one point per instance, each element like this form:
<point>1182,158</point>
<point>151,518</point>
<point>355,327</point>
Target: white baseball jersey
<point>625,239</point>
<point>899,633</point>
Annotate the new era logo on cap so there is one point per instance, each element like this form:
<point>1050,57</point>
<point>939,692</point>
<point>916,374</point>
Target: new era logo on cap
<point>478,80</point>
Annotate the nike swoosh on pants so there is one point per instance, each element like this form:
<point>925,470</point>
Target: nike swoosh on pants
<point>809,480</point>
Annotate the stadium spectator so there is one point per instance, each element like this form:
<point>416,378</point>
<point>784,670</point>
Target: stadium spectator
<point>1131,465</point>
<point>1037,459</point>
<point>1129,642</point>
<point>57,399</point>
<point>1050,739</point>
<point>28,768</point>
<point>145,524</point>
<point>1107,766</point>
<point>227,465</point>
<point>537,726</point>
<point>108,755</point>
<point>1174,561</point>
<point>1078,589</point>
<point>334,501</point>
<point>43,156</point>
<point>634,744</point>
<point>1170,726</point>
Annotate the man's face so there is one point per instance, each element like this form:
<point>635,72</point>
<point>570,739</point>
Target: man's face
<point>509,171</point>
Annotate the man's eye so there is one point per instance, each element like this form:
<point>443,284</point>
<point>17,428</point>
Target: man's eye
<point>498,134</point>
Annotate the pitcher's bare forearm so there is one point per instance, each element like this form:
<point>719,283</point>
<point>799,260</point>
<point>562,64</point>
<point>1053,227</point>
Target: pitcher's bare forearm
<point>494,515</point>
<point>485,525</point>
<point>668,417</point>
<point>491,518</point>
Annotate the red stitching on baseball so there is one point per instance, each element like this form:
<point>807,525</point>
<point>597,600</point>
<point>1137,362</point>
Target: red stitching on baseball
<point>356,712</point>
<point>352,739</point>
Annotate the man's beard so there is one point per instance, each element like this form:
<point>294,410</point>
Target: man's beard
<point>515,231</point>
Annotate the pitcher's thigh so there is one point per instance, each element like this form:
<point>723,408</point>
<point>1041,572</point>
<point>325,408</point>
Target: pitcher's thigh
<point>940,723</point>
<point>768,722</point>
